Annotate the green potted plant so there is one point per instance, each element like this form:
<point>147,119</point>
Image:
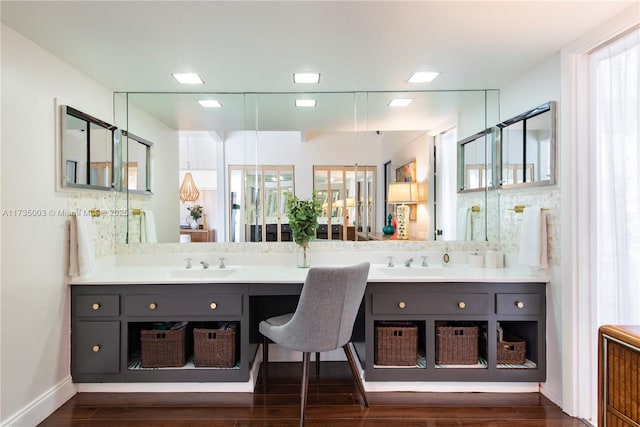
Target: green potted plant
<point>196,212</point>
<point>303,221</point>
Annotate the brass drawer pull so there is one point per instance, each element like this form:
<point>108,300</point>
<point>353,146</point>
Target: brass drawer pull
<point>153,306</point>
<point>402,304</point>
<point>95,306</point>
<point>519,304</point>
<point>96,348</point>
<point>461,304</point>
<point>213,306</point>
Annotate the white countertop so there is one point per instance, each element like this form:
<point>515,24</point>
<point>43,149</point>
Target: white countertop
<point>122,275</point>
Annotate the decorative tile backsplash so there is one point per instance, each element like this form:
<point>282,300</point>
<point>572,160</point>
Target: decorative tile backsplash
<point>136,201</point>
<point>502,225</point>
<point>545,197</point>
<point>108,226</point>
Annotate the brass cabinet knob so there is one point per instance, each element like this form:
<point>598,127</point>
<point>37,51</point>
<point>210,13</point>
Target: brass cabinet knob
<point>461,304</point>
<point>95,306</point>
<point>96,348</point>
<point>153,306</point>
<point>519,304</point>
<point>402,304</point>
<point>213,306</point>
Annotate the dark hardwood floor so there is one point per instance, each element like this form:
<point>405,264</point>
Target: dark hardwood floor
<point>333,401</point>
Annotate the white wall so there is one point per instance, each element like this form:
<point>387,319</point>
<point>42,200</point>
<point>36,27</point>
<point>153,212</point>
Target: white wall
<point>541,84</point>
<point>164,174</point>
<point>35,295</point>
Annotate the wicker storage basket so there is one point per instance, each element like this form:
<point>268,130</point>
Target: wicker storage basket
<point>512,350</point>
<point>214,347</point>
<point>396,344</point>
<point>457,345</point>
<point>162,348</point>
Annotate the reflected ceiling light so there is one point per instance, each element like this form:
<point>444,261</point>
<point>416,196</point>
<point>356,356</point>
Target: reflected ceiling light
<point>309,78</point>
<point>400,102</point>
<point>306,102</point>
<point>423,76</point>
<point>209,103</point>
<point>188,78</point>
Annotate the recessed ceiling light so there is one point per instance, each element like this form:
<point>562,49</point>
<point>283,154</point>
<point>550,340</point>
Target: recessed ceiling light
<point>210,103</point>
<point>306,102</point>
<point>188,78</point>
<point>306,77</point>
<point>400,102</point>
<point>423,76</point>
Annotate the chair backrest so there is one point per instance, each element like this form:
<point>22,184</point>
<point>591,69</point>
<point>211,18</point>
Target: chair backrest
<point>328,306</point>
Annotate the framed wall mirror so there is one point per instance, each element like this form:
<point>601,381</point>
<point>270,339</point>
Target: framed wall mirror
<point>91,151</point>
<point>527,148</point>
<point>475,170</point>
<point>136,169</point>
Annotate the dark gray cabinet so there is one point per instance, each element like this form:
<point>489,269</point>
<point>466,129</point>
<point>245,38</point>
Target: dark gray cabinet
<point>518,308</point>
<point>106,321</point>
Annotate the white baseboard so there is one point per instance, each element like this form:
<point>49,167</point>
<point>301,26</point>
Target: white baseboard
<point>43,406</point>
<point>546,392</point>
<point>450,387</point>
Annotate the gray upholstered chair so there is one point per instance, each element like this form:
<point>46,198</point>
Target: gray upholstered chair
<point>323,320</point>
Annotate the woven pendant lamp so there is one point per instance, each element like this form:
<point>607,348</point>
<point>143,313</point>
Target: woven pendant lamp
<point>188,190</point>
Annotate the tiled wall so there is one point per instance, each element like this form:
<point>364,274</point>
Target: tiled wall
<point>110,226</point>
<point>136,201</point>
<point>545,197</point>
<point>503,224</point>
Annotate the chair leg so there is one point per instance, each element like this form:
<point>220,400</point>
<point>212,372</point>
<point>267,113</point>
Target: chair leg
<point>265,363</point>
<point>356,374</point>
<point>317,365</point>
<point>306,357</point>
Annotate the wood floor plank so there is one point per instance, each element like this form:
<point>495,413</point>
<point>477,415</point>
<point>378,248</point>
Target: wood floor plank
<point>334,401</point>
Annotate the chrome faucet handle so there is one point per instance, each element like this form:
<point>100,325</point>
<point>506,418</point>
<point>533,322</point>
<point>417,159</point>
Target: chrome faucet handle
<point>188,266</point>
<point>205,264</point>
<point>424,261</point>
<point>408,262</point>
<point>390,264</point>
<point>222,262</point>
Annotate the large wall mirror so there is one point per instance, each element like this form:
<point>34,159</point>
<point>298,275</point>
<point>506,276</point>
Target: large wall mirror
<point>244,150</point>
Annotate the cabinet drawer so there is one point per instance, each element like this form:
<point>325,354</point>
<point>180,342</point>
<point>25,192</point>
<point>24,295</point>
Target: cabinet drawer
<point>183,305</point>
<point>97,305</point>
<point>96,348</point>
<point>517,303</point>
<point>430,304</point>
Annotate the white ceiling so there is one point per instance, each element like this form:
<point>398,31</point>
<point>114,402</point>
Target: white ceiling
<point>245,46</point>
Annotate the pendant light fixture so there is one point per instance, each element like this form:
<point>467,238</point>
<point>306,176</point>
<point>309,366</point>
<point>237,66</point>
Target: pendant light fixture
<point>188,190</point>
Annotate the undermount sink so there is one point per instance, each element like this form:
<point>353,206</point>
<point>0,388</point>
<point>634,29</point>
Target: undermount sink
<point>201,273</point>
<point>415,271</point>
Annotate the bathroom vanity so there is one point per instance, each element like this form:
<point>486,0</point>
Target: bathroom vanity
<point>108,313</point>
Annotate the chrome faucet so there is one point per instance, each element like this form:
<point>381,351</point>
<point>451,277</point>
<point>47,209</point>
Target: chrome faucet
<point>390,264</point>
<point>424,261</point>
<point>188,266</point>
<point>222,262</point>
<point>205,264</point>
<point>408,262</point>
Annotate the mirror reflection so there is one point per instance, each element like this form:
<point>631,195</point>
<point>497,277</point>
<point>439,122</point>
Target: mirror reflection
<point>245,154</point>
